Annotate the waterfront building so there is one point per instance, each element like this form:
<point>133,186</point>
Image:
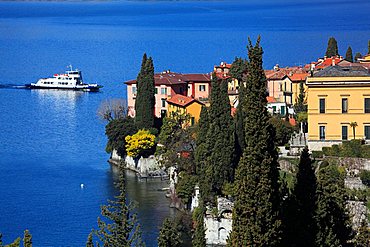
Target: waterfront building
<point>279,85</point>
<point>185,105</point>
<point>364,59</point>
<point>298,78</point>
<point>337,97</point>
<point>168,84</point>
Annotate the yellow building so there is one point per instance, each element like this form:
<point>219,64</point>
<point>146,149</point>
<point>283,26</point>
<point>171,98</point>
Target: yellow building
<point>182,104</point>
<point>337,97</point>
<point>297,79</point>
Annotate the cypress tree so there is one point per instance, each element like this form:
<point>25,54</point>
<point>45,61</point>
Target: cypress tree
<point>220,141</point>
<point>357,56</point>
<point>199,238</point>
<point>368,47</point>
<point>122,229</point>
<point>238,70</point>
<point>349,55</point>
<point>332,49</point>
<point>89,242</point>
<point>256,210</point>
<point>145,99</point>
<point>202,148</point>
<point>331,216</point>
<point>1,239</point>
<point>27,239</point>
<point>168,235</point>
<point>301,226</point>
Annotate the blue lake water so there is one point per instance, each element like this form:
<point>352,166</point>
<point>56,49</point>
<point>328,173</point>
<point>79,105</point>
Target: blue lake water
<point>52,141</point>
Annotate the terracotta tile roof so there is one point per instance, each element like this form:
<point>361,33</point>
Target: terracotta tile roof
<point>270,99</point>
<point>275,75</point>
<point>172,78</point>
<point>181,100</point>
<point>298,76</point>
<point>197,77</point>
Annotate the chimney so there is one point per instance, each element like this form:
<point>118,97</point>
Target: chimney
<point>332,61</point>
<point>276,67</point>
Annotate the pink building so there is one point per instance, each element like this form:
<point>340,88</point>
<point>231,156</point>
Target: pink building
<point>168,84</point>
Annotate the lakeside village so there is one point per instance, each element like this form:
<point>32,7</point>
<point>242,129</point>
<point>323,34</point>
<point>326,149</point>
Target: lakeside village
<point>258,157</point>
<point>255,157</point>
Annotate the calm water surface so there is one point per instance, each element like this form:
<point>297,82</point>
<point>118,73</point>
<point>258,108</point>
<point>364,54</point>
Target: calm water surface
<point>52,141</point>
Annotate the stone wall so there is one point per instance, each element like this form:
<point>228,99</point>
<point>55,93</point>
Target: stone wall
<point>146,167</point>
<point>318,145</point>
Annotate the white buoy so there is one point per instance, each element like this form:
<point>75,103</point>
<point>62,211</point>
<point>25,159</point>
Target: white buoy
<point>82,186</point>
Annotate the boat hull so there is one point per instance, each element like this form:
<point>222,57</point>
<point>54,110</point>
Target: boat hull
<point>86,89</point>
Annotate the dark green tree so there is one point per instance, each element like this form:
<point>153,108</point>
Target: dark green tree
<point>202,149</point>
<point>169,235</point>
<point>357,56</point>
<point>116,131</point>
<point>220,141</point>
<point>27,239</point>
<point>333,226</point>
<point>199,237</point>
<point>256,220</point>
<point>349,55</point>
<point>332,49</point>
<point>145,99</point>
<point>368,47</point>
<point>283,130</point>
<point>89,242</point>
<point>300,106</point>
<point>237,71</point>
<point>121,228</point>
<point>301,225</point>
<point>1,239</point>
<point>362,238</point>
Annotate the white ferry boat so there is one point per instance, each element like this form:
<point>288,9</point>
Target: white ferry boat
<point>71,80</point>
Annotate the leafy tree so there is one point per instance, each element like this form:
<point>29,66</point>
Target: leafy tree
<point>145,99</point>
<point>362,238</point>
<point>177,137</point>
<point>220,140</point>
<point>199,238</point>
<point>349,55</point>
<point>122,229</point>
<point>256,220</point>
<point>357,56</point>
<point>283,130</point>
<point>27,239</point>
<point>169,235</point>
<point>116,131</point>
<point>332,49</point>
<point>301,226</point>
<point>140,144</point>
<point>333,227</point>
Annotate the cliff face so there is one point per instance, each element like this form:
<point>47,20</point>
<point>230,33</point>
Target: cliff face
<point>145,167</point>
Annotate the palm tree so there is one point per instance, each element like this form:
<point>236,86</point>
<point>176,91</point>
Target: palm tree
<point>354,125</point>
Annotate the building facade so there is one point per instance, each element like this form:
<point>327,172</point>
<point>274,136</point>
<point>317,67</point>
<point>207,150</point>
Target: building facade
<point>338,98</point>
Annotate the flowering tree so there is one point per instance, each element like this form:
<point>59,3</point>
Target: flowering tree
<point>140,144</point>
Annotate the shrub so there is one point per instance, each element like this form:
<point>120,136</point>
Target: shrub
<point>317,154</point>
<point>365,177</point>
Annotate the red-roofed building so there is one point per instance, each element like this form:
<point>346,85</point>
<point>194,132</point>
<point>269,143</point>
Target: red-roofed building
<point>186,105</point>
<point>168,84</point>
